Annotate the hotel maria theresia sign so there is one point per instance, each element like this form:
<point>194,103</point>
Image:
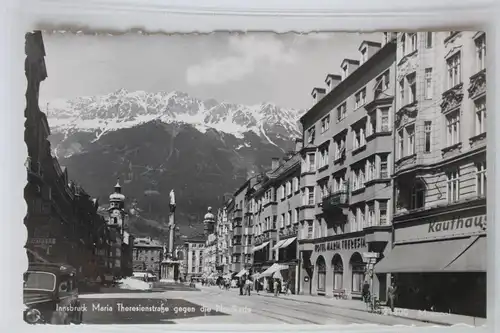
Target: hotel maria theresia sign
<point>344,244</point>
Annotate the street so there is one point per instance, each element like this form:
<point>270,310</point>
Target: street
<point>215,306</point>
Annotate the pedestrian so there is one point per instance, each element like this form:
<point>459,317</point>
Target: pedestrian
<point>366,292</point>
<point>276,287</point>
<point>257,286</point>
<point>248,286</point>
<point>241,285</point>
<point>286,288</point>
<point>391,293</point>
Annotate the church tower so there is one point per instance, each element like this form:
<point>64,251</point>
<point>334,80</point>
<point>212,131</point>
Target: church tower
<point>117,207</point>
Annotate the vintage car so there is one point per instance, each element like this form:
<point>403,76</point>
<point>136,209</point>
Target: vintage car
<point>51,294</point>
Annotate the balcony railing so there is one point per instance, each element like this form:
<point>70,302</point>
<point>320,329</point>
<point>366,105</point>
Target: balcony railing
<point>238,214</point>
<point>336,201</point>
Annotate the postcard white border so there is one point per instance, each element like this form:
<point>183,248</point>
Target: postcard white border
<point>171,16</point>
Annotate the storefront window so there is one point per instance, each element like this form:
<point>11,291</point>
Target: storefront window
<point>321,273</point>
<point>338,273</point>
<point>358,272</point>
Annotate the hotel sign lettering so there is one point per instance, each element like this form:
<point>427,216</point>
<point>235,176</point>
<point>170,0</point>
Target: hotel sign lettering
<point>345,244</point>
<point>458,224</point>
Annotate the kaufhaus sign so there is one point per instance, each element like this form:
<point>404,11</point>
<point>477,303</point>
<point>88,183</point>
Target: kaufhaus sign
<point>458,223</point>
<point>344,244</point>
<point>435,227</point>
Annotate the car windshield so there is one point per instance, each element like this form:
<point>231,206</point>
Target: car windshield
<point>39,281</point>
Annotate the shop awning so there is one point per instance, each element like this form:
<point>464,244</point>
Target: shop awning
<point>241,273</point>
<point>288,242</point>
<point>278,245</point>
<point>421,257</point>
<point>271,270</point>
<point>260,247</point>
<point>472,259</point>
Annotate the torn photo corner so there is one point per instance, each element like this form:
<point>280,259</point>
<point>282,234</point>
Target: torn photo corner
<point>323,178</point>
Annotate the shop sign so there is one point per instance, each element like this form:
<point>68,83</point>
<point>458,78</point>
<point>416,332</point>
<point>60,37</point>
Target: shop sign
<point>42,241</point>
<point>345,244</point>
<point>458,223</point>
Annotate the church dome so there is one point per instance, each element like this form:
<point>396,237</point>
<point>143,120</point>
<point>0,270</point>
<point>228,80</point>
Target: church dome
<point>116,197</point>
<point>209,216</point>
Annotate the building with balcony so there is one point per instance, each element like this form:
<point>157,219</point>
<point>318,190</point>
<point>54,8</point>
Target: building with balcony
<point>147,255</point>
<point>439,240</point>
<point>346,171</point>
<point>276,221</point>
<point>224,240</point>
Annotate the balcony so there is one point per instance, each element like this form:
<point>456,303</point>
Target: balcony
<point>336,201</point>
<point>238,214</point>
<point>237,231</point>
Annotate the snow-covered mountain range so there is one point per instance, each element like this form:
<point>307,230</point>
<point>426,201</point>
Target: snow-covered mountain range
<point>124,109</point>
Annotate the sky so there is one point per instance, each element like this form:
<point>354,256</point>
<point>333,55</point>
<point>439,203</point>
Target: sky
<point>250,68</point>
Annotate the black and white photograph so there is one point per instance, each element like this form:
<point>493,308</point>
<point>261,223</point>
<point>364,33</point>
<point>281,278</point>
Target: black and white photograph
<point>326,178</point>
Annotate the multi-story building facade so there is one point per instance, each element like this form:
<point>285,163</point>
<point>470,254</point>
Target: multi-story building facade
<point>346,174</point>
<point>147,255</point>
<point>440,172</point>
<point>181,255</point>
<point>242,230</point>
<point>194,250</point>
<point>278,242</point>
<point>224,240</point>
<point>63,223</point>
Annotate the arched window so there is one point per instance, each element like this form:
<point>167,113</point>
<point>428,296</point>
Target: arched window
<point>358,272</point>
<point>321,265</point>
<point>338,272</point>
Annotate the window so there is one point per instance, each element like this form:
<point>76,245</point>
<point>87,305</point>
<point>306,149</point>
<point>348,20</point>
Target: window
<point>412,88</point>
<point>427,136</point>
<point>282,192</point>
<point>309,229</point>
<point>480,107</point>
<point>370,168</point>
<point>358,275</point>
<point>288,218</point>
<point>453,186</point>
<point>413,42</point>
<point>418,196</point>
<point>428,39</point>
<point>403,44</point>
<point>428,83</point>
<point>338,184</point>
<point>321,274</point>
<point>358,178</point>
<point>371,215</point>
<point>453,128</point>
<point>384,171</point>
<point>339,148</point>
<point>410,133</point>
<point>311,162</point>
<point>338,273</point>
<point>344,72</point>
<point>382,208</point>
<point>402,91</point>
<point>282,220</point>
<point>295,184</point>
<point>325,124</point>
<point>341,112</point>
<point>364,55</point>
<point>323,157</point>
<point>360,98</point>
<point>481,52</point>
<point>454,70</point>
<point>384,119</point>
<point>309,195</point>
<point>481,179</point>
<point>372,124</point>
<point>359,138</point>
<point>310,135</point>
<point>296,216</point>
<point>382,83</point>
<point>400,143</point>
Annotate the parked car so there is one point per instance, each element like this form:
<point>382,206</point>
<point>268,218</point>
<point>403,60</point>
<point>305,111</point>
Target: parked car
<point>51,294</point>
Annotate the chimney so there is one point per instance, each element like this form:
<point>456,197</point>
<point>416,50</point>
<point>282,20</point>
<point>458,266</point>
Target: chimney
<point>298,144</point>
<point>332,80</point>
<point>389,37</point>
<point>275,163</point>
<point>317,94</point>
<point>347,67</point>
<point>368,49</point>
